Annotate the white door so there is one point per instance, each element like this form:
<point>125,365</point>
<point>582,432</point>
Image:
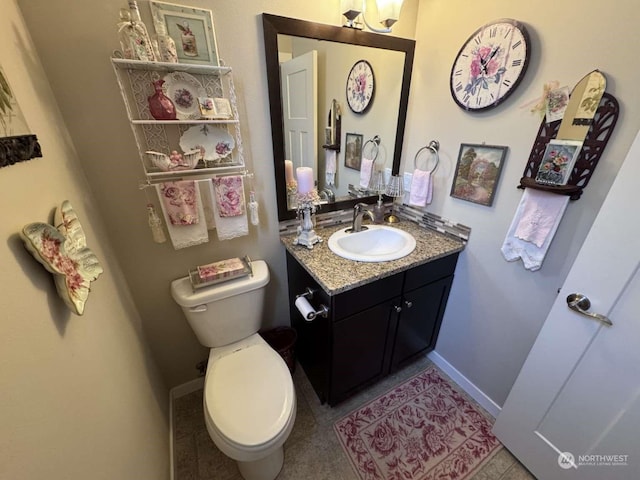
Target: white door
<point>574,410</point>
<point>299,105</point>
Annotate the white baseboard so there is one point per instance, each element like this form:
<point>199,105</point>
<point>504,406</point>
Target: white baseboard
<point>464,383</point>
<point>177,392</point>
<point>186,388</point>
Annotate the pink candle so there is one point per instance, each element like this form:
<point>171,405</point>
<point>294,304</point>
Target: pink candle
<point>288,171</point>
<point>305,179</point>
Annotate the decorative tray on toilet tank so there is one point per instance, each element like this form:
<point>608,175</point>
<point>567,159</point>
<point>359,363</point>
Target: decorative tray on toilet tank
<point>221,271</point>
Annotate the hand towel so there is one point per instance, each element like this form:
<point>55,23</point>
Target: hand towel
<point>540,211</point>
<point>183,236</point>
<point>366,169</point>
<point>206,194</point>
<point>180,202</point>
<point>532,255</point>
<point>229,195</point>
<point>330,166</point>
<point>228,227</point>
<point>421,188</point>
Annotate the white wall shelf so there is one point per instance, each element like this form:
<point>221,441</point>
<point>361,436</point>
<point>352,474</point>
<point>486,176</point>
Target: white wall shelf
<point>135,79</point>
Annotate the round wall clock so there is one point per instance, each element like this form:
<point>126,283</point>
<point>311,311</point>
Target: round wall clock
<point>360,86</point>
<point>490,65</point>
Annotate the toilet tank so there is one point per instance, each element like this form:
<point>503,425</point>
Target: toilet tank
<point>226,312</point>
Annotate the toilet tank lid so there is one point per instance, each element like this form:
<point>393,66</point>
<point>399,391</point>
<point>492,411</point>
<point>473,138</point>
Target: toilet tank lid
<point>185,296</point>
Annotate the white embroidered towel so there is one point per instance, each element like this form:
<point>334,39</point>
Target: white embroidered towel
<point>531,255</point>
<point>421,188</point>
<point>366,169</point>
<point>183,236</point>
<point>540,211</point>
<point>228,227</point>
<point>330,166</point>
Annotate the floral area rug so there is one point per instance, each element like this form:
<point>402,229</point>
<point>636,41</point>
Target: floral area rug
<point>422,429</point>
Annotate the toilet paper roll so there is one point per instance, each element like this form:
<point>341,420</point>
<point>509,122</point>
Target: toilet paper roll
<point>305,308</point>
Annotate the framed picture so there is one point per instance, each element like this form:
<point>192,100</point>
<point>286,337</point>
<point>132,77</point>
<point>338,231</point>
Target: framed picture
<point>557,162</point>
<point>192,30</point>
<point>353,151</point>
<point>477,173</point>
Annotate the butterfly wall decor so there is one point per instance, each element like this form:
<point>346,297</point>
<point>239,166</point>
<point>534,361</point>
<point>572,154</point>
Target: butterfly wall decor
<point>63,251</point>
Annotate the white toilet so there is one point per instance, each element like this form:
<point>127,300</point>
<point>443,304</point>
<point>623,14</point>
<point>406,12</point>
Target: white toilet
<point>249,399</point>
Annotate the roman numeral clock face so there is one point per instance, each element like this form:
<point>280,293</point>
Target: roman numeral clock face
<point>490,65</point>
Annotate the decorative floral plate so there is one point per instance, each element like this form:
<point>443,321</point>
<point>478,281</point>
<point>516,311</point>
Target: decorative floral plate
<point>214,142</point>
<point>183,90</point>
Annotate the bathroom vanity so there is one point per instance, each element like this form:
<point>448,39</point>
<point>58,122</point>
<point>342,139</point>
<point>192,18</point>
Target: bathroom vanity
<point>380,315</point>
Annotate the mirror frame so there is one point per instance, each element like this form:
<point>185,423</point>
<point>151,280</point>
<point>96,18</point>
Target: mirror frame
<point>274,25</point>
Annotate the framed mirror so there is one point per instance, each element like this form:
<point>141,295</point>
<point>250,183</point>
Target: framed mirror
<point>337,51</point>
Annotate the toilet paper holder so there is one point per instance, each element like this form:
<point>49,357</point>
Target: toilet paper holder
<point>308,293</point>
<point>308,312</point>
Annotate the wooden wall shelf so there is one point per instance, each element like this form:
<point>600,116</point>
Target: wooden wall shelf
<point>596,140</point>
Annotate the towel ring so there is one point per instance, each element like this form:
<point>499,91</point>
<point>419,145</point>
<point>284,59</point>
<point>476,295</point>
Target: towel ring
<point>375,141</point>
<point>434,146</point>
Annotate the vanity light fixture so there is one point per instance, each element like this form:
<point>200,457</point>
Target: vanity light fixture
<point>388,13</point>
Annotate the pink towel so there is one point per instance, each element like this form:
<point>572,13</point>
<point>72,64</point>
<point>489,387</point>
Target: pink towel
<point>180,202</point>
<point>229,195</point>
<point>539,215</point>
<point>421,188</point>
<point>366,169</point>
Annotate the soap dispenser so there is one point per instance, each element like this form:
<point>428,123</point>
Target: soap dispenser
<point>378,211</point>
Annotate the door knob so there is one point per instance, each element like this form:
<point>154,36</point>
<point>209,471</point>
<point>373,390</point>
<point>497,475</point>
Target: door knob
<point>408,304</point>
<point>581,304</point>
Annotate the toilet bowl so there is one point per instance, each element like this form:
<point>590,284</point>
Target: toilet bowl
<point>247,416</point>
<point>249,400</point>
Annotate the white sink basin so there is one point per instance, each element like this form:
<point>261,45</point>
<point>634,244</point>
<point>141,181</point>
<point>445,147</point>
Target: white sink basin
<point>378,243</point>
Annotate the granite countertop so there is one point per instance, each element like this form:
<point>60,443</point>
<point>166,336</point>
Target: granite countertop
<point>336,274</point>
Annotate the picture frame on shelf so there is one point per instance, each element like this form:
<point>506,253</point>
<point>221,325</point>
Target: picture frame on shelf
<point>190,28</point>
<point>215,108</point>
<point>557,162</point>
<point>477,172</point>
<point>353,150</point>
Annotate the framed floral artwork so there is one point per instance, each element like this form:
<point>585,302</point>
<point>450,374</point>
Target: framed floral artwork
<point>190,28</point>
<point>477,172</point>
<point>557,162</point>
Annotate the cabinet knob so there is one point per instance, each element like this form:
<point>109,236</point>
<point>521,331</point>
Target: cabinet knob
<point>397,308</point>
<point>408,304</point>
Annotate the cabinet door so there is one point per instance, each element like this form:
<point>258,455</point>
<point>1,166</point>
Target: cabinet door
<point>420,319</point>
<point>313,344</point>
<point>359,344</point>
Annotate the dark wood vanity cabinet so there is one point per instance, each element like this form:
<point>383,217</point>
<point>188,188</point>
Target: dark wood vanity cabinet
<point>370,330</point>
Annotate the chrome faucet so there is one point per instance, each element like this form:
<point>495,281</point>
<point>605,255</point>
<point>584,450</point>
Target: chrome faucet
<point>328,195</point>
<point>359,211</point>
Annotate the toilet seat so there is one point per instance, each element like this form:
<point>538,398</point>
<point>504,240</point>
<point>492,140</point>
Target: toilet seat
<point>249,396</point>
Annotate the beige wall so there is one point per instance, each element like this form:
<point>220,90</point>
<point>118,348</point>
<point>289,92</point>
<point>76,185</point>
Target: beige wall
<point>81,397</point>
<point>76,59</point>
<point>496,308</point>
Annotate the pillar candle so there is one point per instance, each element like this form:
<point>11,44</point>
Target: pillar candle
<point>288,171</point>
<point>305,179</point>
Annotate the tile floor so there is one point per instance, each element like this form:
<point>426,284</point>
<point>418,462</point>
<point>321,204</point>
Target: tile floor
<point>312,451</point>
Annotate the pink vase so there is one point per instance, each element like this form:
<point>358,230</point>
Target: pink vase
<point>160,106</point>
